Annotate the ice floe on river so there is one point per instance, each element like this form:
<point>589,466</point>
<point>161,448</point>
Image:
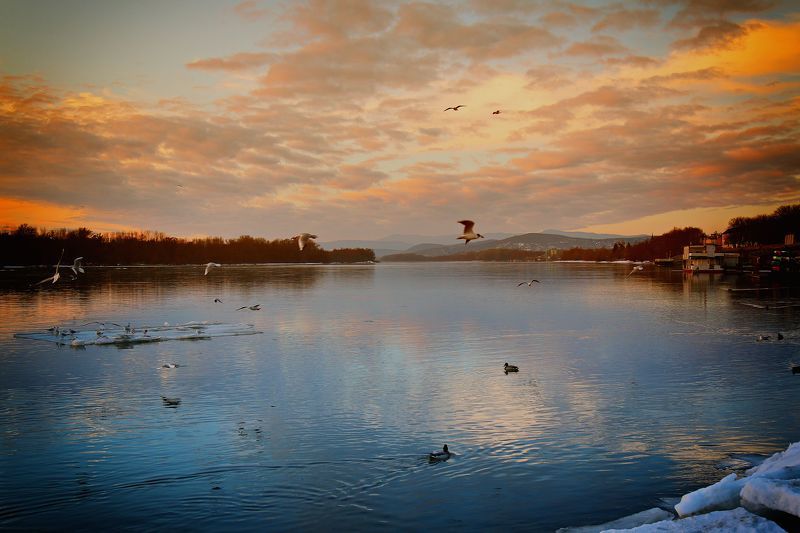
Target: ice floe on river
<point>768,491</point>
<point>117,335</point>
<point>734,521</point>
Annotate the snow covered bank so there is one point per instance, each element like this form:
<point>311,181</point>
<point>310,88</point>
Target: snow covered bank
<point>735,521</point>
<point>726,493</point>
<point>732,504</point>
<point>760,494</point>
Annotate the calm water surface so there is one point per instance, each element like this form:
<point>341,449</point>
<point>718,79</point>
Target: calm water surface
<point>630,389</point>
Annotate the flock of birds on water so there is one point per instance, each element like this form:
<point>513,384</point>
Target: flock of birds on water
<point>303,239</point>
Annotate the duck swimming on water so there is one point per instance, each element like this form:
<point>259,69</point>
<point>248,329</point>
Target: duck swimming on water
<point>510,368</point>
<point>443,455</point>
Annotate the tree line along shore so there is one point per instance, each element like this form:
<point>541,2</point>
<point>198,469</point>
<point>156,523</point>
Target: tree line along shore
<point>27,245</point>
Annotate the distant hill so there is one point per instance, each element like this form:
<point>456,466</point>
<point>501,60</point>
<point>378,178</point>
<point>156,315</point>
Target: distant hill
<point>449,238</point>
<point>528,242</point>
<point>432,246</point>
<point>587,235</point>
<point>401,243</point>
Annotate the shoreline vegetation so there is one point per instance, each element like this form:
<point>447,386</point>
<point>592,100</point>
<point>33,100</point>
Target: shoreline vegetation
<point>742,232</point>
<point>653,248</point>
<point>27,245</point>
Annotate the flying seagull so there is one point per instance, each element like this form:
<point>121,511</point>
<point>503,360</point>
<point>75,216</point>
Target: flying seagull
<point>217,301</point>
<point>208,267</point>
<point>496,112</point>
<point>55,276</point>
<point>256,307</point>
<point>529,283</point>
<point>303,239</point>
<point>637,267</point>
<point>469,234</point>
<point>77,266</point>
<point>455,108</point>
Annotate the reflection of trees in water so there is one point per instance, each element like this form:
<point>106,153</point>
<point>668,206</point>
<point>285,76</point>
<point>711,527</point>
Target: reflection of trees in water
<point>127,281</point>
<point>109,291</point>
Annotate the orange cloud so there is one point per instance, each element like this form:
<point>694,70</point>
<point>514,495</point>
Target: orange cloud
<point>337,19</point>
<point>249,10</point>
<point>346,122</point>
<point>538,160</point>
<point>597,46</point>
<point>767,47</point>
<point>697,13</point>
<point>236,62</point>
<point>626,19</point>
<point>434,27</point>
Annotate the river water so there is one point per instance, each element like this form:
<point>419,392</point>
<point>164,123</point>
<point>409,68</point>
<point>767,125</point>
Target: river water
<point>631,388</point>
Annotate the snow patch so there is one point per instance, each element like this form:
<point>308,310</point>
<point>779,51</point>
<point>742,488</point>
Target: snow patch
<point>786,458</point>
<point>738,520</point>
<point>724,494</point>
<point>761,493</point>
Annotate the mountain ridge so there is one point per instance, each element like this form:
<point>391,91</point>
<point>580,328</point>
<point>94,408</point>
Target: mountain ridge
<point>433,245</point>
<point>526,241</point>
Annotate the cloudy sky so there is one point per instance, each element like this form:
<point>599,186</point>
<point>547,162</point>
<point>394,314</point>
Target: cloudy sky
<point>273,117</point>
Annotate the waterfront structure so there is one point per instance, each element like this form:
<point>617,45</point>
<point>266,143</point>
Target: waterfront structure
<point>706,258</point>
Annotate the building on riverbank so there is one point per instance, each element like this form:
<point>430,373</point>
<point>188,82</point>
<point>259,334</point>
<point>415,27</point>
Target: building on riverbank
<point>708,257</point>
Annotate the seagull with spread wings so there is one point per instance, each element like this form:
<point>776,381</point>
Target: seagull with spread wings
<point>455,108</point>
<point>55,276</point>
<point>469,231</point>
<point>637,268</point>
<point>303,239</point>
<point>77,266</point>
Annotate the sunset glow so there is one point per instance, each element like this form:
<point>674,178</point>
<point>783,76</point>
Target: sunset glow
<point>269,118</point>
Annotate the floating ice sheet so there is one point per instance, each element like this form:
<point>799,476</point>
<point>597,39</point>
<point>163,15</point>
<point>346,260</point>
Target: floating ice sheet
<point>66,335</point>
<point>736,521</point>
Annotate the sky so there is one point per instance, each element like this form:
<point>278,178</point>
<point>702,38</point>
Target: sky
<point>271,118</point>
